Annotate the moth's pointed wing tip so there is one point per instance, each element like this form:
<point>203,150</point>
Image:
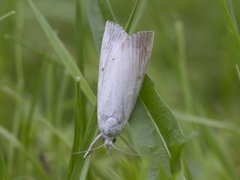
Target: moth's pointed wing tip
<point>145,36</point>
<point>148,34</point>
<point>115,26</point>
<point>151,37</point>
<point>151,33</point>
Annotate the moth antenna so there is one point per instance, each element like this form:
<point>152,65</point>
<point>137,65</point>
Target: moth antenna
<point>125,152</point>
<point>91,145</point>
<point>93,149</point>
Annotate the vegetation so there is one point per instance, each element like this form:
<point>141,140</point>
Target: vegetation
<point>49,53</point>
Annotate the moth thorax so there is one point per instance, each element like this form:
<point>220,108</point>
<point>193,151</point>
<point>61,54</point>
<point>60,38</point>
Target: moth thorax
<point>112,128</point>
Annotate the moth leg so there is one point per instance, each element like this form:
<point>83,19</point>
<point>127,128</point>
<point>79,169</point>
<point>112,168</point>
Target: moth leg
<point>91,145</point>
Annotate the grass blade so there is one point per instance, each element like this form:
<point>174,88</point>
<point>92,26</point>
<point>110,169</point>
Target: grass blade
<point>79,128</point>
<point>230,14</point>
<point>165,121</point>
<point>78,166</point>
<point>207,122</point>
<point>63,54</point>
<point>150,144</point>
<point>42,120</point>
<point>80,45</point>
<point>3,168</point>
<point>111,11</point>
<point>18,55</point>
<point>6,15</point>
<point>26,45</point>
<point>132,15</point>
<point>233,28</point>
<point>11,139</point>
<point>96,22</point>
<point>238,71</point>
<point>218,150</point>
<point>183,73</point>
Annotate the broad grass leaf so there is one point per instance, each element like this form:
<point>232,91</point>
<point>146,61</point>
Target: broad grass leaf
<point>165,121</point>
<point>149,142</point>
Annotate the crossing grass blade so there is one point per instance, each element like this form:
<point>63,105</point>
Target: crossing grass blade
<point>208,122</point>
<point>6,15</point>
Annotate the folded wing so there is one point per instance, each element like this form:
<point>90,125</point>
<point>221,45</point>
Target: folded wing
<point>123,64</point>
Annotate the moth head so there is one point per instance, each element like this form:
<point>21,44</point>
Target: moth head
<point>112,128</point>
<point>108,143</point>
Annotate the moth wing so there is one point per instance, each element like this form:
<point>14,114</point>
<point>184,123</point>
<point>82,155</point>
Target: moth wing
<point>123,64</point>
<point>113,38</point>
<point>136,51</point>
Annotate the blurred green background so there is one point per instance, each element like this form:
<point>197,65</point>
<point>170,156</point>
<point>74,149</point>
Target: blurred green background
<point>193,66</point>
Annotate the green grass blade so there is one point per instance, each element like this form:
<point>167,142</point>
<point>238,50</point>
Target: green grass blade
<point>6,15</point>
<point>208,122</point>
<point>79,129</point>
<point>31,48</point>
<point>96,22</point>
<point>238,71</point>
<point>182,64</point>
<point>80,30</point>
<point>111,11</point>
<point>83,135</point>
<point>40,119</point>
<point>31,112</point>
<point>218,150</point>
<point>150,144</point>
<point>232,27</point>
<point>97,14</point>
<point>81,165</point>
<point>63,54</point>
<point>12,140</point>
<point>132,15</point>
<point>18,55</point>
<point>229,12</point>
<point>3,168</point>
<point>165,121</point>
<point>53,130</point>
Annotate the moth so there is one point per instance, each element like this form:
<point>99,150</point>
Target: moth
<point>122,67</point>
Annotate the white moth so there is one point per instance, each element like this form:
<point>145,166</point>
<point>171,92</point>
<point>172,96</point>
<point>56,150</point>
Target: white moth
<point>123,63</point>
